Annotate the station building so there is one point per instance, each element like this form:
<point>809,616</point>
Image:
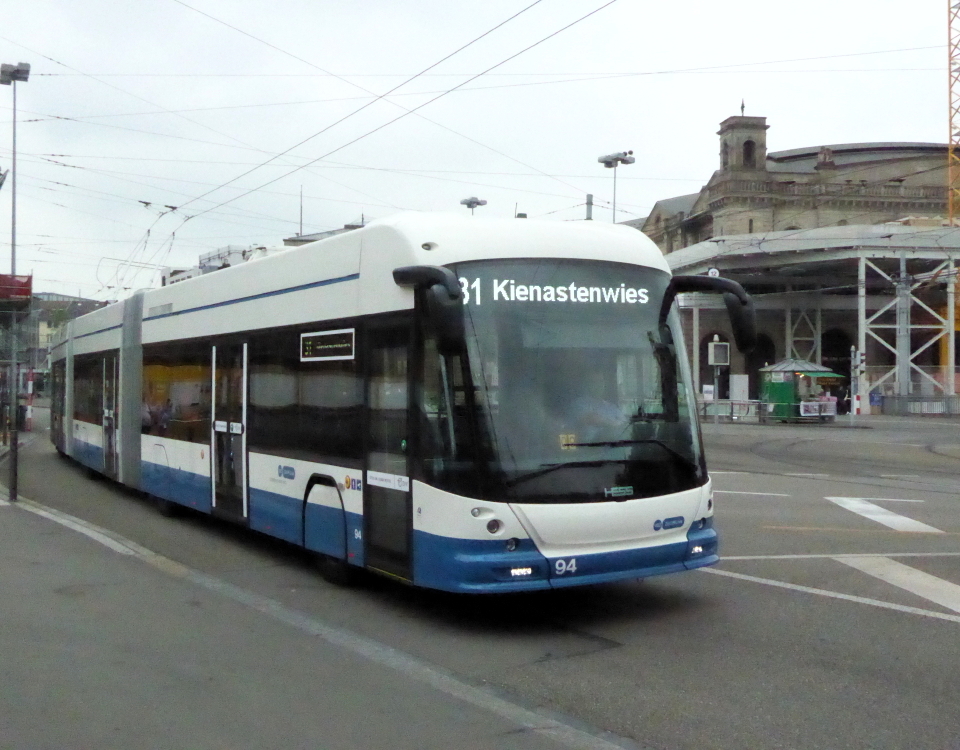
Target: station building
<point>842,246</point>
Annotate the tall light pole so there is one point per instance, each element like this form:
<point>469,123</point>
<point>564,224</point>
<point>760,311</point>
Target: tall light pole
<point>472,203</point>
<point>9,75</point>
<point>612,161</point>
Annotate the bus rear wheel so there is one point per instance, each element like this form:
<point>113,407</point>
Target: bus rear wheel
<point>167,508</point>
<point>336,571</point>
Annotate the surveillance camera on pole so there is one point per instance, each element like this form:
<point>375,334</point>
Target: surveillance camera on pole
<point>472,203</point>
<point>612,161</point>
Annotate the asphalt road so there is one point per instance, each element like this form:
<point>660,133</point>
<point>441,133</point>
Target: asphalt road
<point>832,622</point>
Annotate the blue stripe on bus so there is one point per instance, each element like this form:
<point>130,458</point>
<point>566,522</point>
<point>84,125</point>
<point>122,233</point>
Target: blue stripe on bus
<point>481,566</point>
<point>276,515</point>
<point>321,528</point>
<point>176,485</point>
<point>102,330</point>
<point>88,454</point>
<point>604,567</point>
<point>476,565</point>
<point>262,295</point>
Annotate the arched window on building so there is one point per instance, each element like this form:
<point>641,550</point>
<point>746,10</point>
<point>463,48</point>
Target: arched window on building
<point>749,154</point>
<point>724,155</point>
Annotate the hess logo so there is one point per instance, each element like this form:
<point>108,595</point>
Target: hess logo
<point>352,483</point>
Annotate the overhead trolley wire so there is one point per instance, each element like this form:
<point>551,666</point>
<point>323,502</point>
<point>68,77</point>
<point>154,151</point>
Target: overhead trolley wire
<point>340,78</point>
<point>412,111</point>
<point>380,97</point>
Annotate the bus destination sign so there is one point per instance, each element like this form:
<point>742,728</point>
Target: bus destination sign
<point>327,345</point>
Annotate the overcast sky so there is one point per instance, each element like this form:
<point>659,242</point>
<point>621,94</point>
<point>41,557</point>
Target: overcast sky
<point>228,110</point>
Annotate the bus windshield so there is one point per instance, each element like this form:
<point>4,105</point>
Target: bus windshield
<point>570,390</point>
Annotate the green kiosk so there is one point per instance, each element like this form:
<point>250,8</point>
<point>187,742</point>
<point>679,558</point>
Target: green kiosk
<point>795,390</point>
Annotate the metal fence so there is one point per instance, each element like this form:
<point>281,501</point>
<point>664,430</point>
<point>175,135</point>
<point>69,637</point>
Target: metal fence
<point>934,406</point>
<point>759,412</point>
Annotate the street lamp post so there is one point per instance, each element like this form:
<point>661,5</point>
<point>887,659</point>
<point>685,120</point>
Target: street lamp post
<point>612,161</point>
<point>472,203</point>
<point>9,75</point>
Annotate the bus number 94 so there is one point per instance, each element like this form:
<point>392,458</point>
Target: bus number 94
<point>565,566</point>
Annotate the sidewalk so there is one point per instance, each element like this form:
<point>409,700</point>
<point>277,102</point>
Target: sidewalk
<point>103,647</point>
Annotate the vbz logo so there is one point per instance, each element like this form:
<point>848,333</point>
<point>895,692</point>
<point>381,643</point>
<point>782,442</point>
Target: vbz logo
<point>286,472</point>
<point>352,483</point>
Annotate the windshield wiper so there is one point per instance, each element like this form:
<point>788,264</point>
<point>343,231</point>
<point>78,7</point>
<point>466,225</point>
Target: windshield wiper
<point>620,443</point>
<point>548,468</point>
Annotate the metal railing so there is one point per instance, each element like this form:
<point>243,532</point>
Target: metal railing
<point>928,406</point>
<point>759,412</point>
<point>728,410</point>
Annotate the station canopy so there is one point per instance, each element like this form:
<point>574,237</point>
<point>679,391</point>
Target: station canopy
<point>801,366</point>
<point>823,258</point>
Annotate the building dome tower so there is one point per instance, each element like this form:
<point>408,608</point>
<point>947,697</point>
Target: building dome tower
<point>743,144</point>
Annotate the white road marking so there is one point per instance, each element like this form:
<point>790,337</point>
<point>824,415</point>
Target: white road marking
<point>545,725</point>
<point>834,595</point>
<point>889,500</point>
<point>888,518</point>
<point>814,476</point>
<point>837,557</point>
<point>741,492</point>
<point>97,534</point>
<point>915,581</point>
<point>900,476</point>
<point>730,472</point>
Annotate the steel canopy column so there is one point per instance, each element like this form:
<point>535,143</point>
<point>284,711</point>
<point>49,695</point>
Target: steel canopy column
<point>788,325</point>
<point>950,373</point>
<point>695,335</point>
<point>862,333</point>
<point>818,334</point>
<point>903,329</point>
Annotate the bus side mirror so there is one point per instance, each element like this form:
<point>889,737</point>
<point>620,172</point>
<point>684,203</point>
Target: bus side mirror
<point>443,299</point>
<point>743,317</point>
<point>447,317</point>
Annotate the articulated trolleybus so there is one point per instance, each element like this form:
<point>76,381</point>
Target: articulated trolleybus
<point>464,404</point>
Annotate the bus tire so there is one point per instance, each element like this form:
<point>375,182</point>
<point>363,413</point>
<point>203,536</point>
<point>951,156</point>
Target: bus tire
<point>167,508</point>
<point>336,571</point>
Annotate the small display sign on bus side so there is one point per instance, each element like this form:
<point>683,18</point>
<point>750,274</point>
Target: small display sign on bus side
<point>324,346</point>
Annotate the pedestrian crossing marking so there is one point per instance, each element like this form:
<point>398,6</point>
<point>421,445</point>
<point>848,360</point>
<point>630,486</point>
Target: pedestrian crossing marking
<point>888,518</point>
<point>902,576</point>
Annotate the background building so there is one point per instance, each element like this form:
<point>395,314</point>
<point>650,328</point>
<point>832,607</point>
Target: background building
<point>754,191</point>
<point>840,246</point>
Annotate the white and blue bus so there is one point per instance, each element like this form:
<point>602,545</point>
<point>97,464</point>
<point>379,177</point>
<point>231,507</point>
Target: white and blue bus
<point>463,404</point>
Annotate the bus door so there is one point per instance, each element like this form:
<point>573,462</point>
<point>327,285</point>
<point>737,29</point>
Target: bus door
<point>110,414</point>
<point>387,506</point>
<point>228,430</point>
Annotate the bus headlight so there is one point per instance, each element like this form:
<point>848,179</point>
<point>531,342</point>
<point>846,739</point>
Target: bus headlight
<point>512,543</point>
<point>493,526</point>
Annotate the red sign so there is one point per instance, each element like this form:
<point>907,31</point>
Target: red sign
<point>16,288</point>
